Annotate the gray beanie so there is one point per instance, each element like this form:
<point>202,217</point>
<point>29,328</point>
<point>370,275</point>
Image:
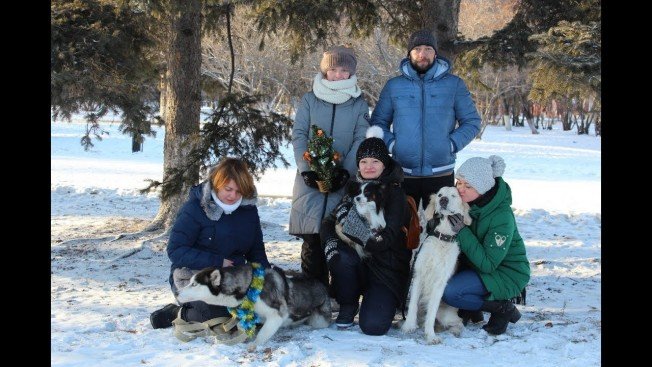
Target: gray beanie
<point>338,56</point>
<point>421,37</point>
<point>480,172</point>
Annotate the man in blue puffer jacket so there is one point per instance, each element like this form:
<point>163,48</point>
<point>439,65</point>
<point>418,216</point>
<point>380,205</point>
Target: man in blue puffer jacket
<point>422,106</point>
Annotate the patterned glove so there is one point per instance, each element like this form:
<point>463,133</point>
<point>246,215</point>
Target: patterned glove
<point>340,179</point>
<point>457,222</point>
<point>310,178</point>
<point>342,210</point>
<point>356,228</point>
<point>331,252</point>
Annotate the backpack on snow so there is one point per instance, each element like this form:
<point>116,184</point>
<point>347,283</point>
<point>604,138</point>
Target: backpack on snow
<point>413,229</point>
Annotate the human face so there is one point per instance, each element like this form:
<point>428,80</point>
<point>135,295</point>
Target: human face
<point>337,73</point>
<point>467,192</point>
<point>370,168</point>
<point>422,58</point>
<point>230,193</point>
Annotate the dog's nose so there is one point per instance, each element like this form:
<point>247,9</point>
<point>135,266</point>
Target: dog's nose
<point>443,202</point>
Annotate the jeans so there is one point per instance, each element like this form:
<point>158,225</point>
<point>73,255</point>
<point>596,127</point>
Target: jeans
<point>465,290</point>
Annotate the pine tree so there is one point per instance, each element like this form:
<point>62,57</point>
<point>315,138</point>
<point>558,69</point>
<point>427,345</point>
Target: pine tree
<point>98,64</point>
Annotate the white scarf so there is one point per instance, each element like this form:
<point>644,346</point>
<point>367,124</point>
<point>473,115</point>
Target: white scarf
<point>228,208</point>
<point>336,92</point>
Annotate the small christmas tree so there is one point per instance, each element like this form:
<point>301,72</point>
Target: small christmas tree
<point>321,158</point>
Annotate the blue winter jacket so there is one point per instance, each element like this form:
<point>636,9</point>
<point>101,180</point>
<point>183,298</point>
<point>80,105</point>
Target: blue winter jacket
<point>204,236</point>
<point>422,113</point>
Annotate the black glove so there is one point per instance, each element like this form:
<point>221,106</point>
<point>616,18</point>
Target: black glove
<point>310,178</point>
<point>331,252</point>
<point>375,242</point>
<point>457,222</point>
<point>432,224</point>
<point>340,179</point>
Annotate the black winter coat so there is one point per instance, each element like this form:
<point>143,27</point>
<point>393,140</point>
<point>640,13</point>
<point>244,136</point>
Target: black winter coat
<point>390,259</point>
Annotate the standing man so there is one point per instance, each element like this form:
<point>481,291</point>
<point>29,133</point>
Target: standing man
<point>422,106</point>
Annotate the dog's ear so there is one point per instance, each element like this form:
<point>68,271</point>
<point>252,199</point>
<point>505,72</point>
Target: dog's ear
<point>352,188</point>
<point>383,192</point>
<point>215,278</point>
<point>430,210</point>
<point>465,214</point>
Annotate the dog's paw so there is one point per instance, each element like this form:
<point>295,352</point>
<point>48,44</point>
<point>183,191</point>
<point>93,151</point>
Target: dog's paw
<point>251,347</point>
<point>408,327</point>
<point>456,330</point>
<point>433,339</point>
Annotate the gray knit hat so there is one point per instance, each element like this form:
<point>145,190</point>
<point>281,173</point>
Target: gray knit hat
<point>373,146</point>
<point>421,37</point>
<point>480,172</point>
<point>338,56</point>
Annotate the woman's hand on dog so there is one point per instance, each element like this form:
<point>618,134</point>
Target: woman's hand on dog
<point>457,222</point>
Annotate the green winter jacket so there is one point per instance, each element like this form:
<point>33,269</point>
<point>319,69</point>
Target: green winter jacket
<point>494,248</point>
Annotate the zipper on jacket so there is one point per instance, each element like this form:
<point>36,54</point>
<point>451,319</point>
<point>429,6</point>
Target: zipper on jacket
<point>323,212</point>
<point>423,123</point>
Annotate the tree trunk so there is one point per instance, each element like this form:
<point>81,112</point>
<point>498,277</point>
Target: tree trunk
<point>183,101</point>
<point>163,101</point>
<point>442,18</point>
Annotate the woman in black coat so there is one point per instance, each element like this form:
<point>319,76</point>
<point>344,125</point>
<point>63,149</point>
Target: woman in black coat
<point>382,278</point>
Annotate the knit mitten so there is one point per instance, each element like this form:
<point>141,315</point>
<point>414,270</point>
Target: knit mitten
<point>331,252</point>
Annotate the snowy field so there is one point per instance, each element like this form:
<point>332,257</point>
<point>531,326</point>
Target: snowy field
<point>104,286</point>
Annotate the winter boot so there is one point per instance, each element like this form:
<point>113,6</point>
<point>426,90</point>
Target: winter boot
<point>346,315</point>
<point>163,318</point>
<point>474,316</point>
<point>502,312</point>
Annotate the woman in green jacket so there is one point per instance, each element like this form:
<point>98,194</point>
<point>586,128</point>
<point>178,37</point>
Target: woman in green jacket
<point>494,264</point>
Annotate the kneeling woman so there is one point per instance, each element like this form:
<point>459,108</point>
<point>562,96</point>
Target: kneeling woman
<point>217,226</point>
<point>382,278</point>
<point>495,265</point>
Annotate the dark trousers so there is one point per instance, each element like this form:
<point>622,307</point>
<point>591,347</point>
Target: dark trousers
<point>421,188</point>
<point>352,278</point>
<point>313,260</point>
<point>200,311</point>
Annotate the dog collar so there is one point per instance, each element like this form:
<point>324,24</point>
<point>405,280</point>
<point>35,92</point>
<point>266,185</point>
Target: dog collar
<point>247,318</point>
<point>441,236</point>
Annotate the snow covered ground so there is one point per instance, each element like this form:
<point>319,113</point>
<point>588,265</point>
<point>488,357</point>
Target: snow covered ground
<point>104,286</point>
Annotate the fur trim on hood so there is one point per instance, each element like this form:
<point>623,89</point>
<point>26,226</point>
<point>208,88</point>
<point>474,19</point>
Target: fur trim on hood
<point>214,211</point>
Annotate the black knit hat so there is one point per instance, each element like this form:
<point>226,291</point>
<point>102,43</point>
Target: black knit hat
<point>373,147</point>
<point>421,37</point>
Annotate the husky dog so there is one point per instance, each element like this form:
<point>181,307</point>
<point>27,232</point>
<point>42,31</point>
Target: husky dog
<point>283,300</point>
<point>434,263</point>
<point>369,201</point>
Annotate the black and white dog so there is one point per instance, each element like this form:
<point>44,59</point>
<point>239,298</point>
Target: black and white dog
<point>369,202</point>
<point>435,262</point>
<point>283,300</point>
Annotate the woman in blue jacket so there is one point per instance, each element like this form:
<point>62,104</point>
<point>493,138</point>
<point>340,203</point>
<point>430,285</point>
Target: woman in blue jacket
<point>217,226</point>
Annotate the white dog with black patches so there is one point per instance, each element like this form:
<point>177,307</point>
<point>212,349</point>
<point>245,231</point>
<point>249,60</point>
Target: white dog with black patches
<point>435,262</point>
<point>369,202</point>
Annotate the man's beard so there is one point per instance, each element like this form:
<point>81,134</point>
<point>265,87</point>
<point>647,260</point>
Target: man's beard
<point>419,69</point>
